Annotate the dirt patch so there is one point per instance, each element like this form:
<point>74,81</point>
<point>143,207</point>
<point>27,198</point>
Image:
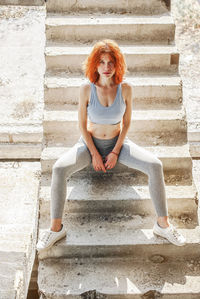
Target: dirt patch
<point>23,109</point>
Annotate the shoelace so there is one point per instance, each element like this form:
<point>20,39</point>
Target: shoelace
<point>175,232</point>
<point>45,237</point>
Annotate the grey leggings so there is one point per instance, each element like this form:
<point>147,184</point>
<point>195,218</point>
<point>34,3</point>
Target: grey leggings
<point>131,155</point>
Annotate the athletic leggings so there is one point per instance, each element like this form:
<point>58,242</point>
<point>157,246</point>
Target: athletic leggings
<point>131,155</point>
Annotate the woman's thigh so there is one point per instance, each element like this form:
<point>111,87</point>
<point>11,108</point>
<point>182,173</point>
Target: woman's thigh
<point>137,157</point>
<point>74,159</point>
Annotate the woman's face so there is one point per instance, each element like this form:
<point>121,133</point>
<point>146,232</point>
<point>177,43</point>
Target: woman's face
<point>106,67</point>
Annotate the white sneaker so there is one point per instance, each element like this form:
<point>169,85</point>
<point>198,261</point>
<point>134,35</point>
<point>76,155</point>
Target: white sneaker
<point>49,237</point>
<point>170,233</point>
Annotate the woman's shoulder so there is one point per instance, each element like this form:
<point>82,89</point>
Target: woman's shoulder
<point>126,88</point>
<point>126,85</point>
<point>85,90</point>
<point>85,86</point>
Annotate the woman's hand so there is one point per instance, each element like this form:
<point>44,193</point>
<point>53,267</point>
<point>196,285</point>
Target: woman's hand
<point>97,163</point>
<point>111,160</point>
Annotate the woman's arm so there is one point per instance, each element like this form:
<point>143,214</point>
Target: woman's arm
<point>111,158</point>
<point>97,160</point>
<point>126,119</point>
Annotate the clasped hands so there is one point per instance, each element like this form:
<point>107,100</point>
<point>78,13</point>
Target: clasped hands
<point>108,163</point>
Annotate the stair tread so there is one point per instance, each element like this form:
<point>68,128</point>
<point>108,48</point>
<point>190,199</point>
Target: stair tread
<point>60,79</point>
<point>79,20</point>
<point>119,277</point>
<point>160,151</point>
<point>17,127</point>
<point>95,229</point>
<point>136,115</point>
<point>115,188</point>
<point>64,49</point>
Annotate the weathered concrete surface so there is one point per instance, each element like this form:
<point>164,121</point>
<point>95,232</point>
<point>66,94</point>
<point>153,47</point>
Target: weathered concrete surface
<point>119,234</point>
<point>23,2</point>
<point>156,277</point>
<point>186,16</point>
<point>88,28</point>
<point>121,194</point>
<point>22,40</point>
<point>97,234</point>
<point>19,185</point>
<point>150,123</point>
<point>138,58</point>
<point>161,90</point>
<point>136,7</point>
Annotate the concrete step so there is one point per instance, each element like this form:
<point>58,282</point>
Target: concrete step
<point>139,58</point>
<point>12,280</point>
<point>97,235</point>
<point>90,28</point>
<point>149,90</point>
<point>23,3</point>
<point>120,194</point>
<point>14,133</point>
<point>119,278</point>
<point>194,149</point>
<point>174,159</point>
<point>194,131</point>
<point>137,7</point>
<point>194,138</point>
<point>153,122</point>
<point>20,151</point>
<point>19,185</point>
<point>20,141</point>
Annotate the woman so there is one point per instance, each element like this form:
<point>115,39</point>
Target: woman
<point>107,102</point>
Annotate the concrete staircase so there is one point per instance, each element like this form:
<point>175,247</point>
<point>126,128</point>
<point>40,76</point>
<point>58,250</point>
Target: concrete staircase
<point>110,250</point>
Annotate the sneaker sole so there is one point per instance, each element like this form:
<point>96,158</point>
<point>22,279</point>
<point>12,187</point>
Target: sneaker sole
<point>168,240</point>
<point>56,240</point>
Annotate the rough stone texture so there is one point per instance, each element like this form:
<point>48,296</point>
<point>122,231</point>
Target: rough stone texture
<point>138,7</point>
<point>19,184</point>
<point>119,234</point>
<point>22,39</point>
<point>186,15</point>
<point>102,234</point>
<point>23,2</point>
<point>124,278</point>
<point>187,40</point>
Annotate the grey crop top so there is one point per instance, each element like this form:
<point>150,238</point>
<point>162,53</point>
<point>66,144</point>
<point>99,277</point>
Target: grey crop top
<point>100,114</point>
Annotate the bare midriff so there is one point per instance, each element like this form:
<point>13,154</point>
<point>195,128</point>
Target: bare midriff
<point>103,131</point>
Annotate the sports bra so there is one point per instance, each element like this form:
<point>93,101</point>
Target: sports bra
<point>100,114</point>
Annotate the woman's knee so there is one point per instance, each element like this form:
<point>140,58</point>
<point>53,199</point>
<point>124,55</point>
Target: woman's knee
<point>156,165</point>
<point>59,169</point>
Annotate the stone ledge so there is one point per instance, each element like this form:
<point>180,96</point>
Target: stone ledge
<point>18,226</point>
<point>119,278</point>
<point>23,2</point>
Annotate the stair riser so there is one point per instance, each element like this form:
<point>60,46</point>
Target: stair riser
<point>173,166</point>
<point>138,129</point>
<point>21,137</point>
<point>135,207</point>
<point>139,7</point>
<point>20,151</point>
<point>23,3</point>
<point>144,97</point>
<point>167,250</point>
<point>135,62</point>
<point>164,33</point>
<point>46,295</point>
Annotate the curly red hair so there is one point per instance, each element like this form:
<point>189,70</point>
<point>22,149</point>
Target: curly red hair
<point>91,63</point>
